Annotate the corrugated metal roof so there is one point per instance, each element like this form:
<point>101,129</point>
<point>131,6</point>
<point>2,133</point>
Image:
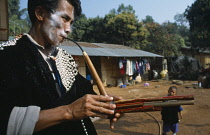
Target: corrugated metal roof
<point>109,50</point>
<point>201,50</point>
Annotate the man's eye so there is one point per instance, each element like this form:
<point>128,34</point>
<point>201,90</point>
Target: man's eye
<point>64,18</point>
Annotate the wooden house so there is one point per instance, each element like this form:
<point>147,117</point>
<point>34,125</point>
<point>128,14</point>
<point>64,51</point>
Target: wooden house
<point>202,55</point>
<point>105,58</point>
<point>4,23</point>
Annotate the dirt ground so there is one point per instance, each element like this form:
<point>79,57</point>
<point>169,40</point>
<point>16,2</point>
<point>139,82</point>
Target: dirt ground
<point>196,118</point>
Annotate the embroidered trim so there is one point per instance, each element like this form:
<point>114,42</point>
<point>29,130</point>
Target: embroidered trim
<point>10,42</point>
<point>67,68</point>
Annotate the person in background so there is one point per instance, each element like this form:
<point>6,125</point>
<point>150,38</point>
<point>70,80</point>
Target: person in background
<point>171,115</point>
<point>41,91</point>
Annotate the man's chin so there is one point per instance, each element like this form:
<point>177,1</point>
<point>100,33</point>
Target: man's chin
<point>56,45</point>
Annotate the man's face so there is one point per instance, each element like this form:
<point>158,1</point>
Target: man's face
<point>57,25</point>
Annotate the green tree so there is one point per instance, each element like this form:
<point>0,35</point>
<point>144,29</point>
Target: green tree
<point>96,30</point>
<point>182,28</point>
<point>125,29</point>
<point>148,19</point>
<point>198,15</point>
<point>120,26</point>
<point>181,19</point>
<point>80,27</point>
<point>122,8</point>
<point>18,19</point>
<point>140,37</point>
<point>89,30</point>
<point>14,8</point>
<point>184,32</point>
<point>163,39</point>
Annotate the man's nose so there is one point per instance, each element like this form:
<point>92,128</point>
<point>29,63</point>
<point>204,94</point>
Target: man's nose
<point>67,28</point>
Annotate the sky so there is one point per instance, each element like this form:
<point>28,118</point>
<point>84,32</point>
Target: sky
<point>160,10</point>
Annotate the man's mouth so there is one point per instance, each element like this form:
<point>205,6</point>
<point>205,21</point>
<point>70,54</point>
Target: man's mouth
<point>64,35</point>
<point>63,38</point>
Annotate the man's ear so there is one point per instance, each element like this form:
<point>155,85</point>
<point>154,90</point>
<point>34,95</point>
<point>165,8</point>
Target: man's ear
<point>39,13</point>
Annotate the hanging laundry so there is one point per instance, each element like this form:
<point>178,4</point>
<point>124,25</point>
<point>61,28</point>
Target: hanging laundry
<point>120,63</point>
<point>141,66</point>
<point>147,66</point>
<point>121,66</point>
<point>129,70</point>
<point>137,66</point>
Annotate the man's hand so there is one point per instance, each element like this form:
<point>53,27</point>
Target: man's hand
<point>87,106</point>
<point>91,105</point>
<point>116,116</point>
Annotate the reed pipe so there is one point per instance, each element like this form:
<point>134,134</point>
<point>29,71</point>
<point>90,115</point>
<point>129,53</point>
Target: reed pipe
<point>92,69</point>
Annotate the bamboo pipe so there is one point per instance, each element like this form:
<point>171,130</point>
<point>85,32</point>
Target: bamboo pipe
<point>92,69</point>
<point>152,106</point>
<point>141,105</point>
<point>95,74</point>
<point>138,109</point>
<point>129,105</point>
<point>170,103</point>
<point>155,104</point>
<point>166,98</point>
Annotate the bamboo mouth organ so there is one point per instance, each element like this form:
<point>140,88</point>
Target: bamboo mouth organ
<point>136,105</point>
<point>152,104</point>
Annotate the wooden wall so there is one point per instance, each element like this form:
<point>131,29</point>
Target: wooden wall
<point>81,65</point>
<point>204,59</point>
<point>108,68</point>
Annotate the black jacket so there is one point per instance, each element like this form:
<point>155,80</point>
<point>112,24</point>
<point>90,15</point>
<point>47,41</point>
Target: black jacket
<point>25,79</point>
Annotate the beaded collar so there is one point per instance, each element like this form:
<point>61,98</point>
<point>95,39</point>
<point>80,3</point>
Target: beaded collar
<point>10,42</point>
<point>67,68</point>
<point>65,63</point>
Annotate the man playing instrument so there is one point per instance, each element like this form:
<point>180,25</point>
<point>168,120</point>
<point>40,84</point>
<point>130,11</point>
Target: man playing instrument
<point>41,91</point>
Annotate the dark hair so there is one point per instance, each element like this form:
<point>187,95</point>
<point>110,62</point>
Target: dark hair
<point>172,87</point>
<point>51,6</point>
